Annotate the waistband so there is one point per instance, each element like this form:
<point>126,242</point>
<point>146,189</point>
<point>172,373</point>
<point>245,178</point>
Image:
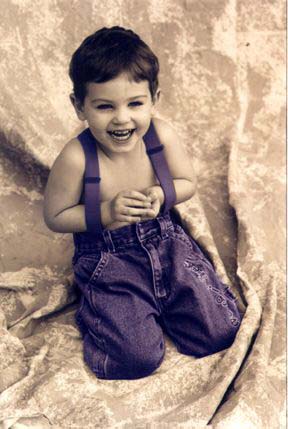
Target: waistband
<point>111,240</point>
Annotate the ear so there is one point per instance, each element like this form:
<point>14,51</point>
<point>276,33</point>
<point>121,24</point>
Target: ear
<point>156,99</point>
<point>78,106</point>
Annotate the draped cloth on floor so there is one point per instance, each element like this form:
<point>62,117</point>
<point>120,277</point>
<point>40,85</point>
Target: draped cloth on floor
<point>237,216</point>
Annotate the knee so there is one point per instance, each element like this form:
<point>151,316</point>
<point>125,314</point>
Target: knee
<point>208,343</point>
<point>220,341</point>
<point>142,361</point>
<point>222,336</point>
<point>128,361</point>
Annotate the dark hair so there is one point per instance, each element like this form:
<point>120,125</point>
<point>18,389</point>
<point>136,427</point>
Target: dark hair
<point>109,52</point>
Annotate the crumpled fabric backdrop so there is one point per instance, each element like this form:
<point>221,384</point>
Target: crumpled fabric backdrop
<point>222,79</point>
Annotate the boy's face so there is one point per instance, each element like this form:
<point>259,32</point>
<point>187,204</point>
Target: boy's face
<point>118,112</point>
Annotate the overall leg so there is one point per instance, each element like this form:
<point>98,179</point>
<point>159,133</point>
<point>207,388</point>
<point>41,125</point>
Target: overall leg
<point>118,317</point>
<point>201,314</point>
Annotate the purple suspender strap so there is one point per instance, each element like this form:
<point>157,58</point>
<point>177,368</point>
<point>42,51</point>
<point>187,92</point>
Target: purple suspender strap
<point>91,183</point>
<point>92,179</point>
<point>155,151</point>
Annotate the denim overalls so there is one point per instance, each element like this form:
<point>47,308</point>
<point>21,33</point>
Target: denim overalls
<point>142,279</point>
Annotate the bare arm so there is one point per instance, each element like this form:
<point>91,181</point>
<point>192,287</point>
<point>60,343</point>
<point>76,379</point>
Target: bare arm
<point>179,163</point>
<point>184,190</point>
<point>62,211</point>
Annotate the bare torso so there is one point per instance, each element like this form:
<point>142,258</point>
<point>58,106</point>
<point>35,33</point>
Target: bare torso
<point>132,173</point>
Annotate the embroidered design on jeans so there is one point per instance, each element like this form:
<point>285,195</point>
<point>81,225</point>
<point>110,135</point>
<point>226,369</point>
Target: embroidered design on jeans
<point>198,269</point>
<point>219,296</point>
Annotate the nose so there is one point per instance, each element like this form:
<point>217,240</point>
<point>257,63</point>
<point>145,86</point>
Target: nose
<point>121,116</point>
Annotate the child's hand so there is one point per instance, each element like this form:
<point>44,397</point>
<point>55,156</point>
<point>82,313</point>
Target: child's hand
<point>155,203</point>
<point>129,207</point>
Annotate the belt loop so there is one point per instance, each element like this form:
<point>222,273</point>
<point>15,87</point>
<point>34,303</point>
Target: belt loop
<point>108,240</point>
<point>138,232</point>
<point>169,221</point>
<point>163,227</point>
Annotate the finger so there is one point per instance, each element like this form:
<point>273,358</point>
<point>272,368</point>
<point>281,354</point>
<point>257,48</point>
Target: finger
<point>152,196</point>
<point>131,211</point>
<point>130,202</point>
<point>134,195</point>
<point>128,218</point>
<point>155,205</point>
<point>148,217</point>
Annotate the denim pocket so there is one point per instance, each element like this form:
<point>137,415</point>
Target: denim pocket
<point>196,252</point>
<point>88,266</point>
<point>180,234</point>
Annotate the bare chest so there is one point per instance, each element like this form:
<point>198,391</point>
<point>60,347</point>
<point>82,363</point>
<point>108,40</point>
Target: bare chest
<point>136,175</point>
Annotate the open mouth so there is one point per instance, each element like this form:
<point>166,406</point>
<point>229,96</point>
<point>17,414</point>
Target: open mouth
<point>121,135</point>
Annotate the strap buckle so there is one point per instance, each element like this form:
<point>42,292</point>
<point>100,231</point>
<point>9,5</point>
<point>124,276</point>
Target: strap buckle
<point>155,149</point>
<point>91,179</point>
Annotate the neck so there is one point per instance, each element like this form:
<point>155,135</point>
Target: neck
<point>122,158</point>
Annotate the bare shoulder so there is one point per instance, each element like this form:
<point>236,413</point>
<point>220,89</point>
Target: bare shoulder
<point>72,154</point>
<point>179,161</point>
<point>166,133</point>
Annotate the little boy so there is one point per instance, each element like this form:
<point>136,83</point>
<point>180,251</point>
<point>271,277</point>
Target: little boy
<point>113,187</point>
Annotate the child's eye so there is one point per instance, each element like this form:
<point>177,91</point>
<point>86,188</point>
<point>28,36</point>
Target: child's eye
<point>135,103</point>
<point>104,106</point>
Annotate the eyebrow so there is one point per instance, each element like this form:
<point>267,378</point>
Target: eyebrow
<point>109,101</point>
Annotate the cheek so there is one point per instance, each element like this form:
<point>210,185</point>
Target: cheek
<point>98,120</point>
<point>145,116</point>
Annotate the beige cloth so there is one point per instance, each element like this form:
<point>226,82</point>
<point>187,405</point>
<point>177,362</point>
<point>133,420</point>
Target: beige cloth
<point>221,85</point>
